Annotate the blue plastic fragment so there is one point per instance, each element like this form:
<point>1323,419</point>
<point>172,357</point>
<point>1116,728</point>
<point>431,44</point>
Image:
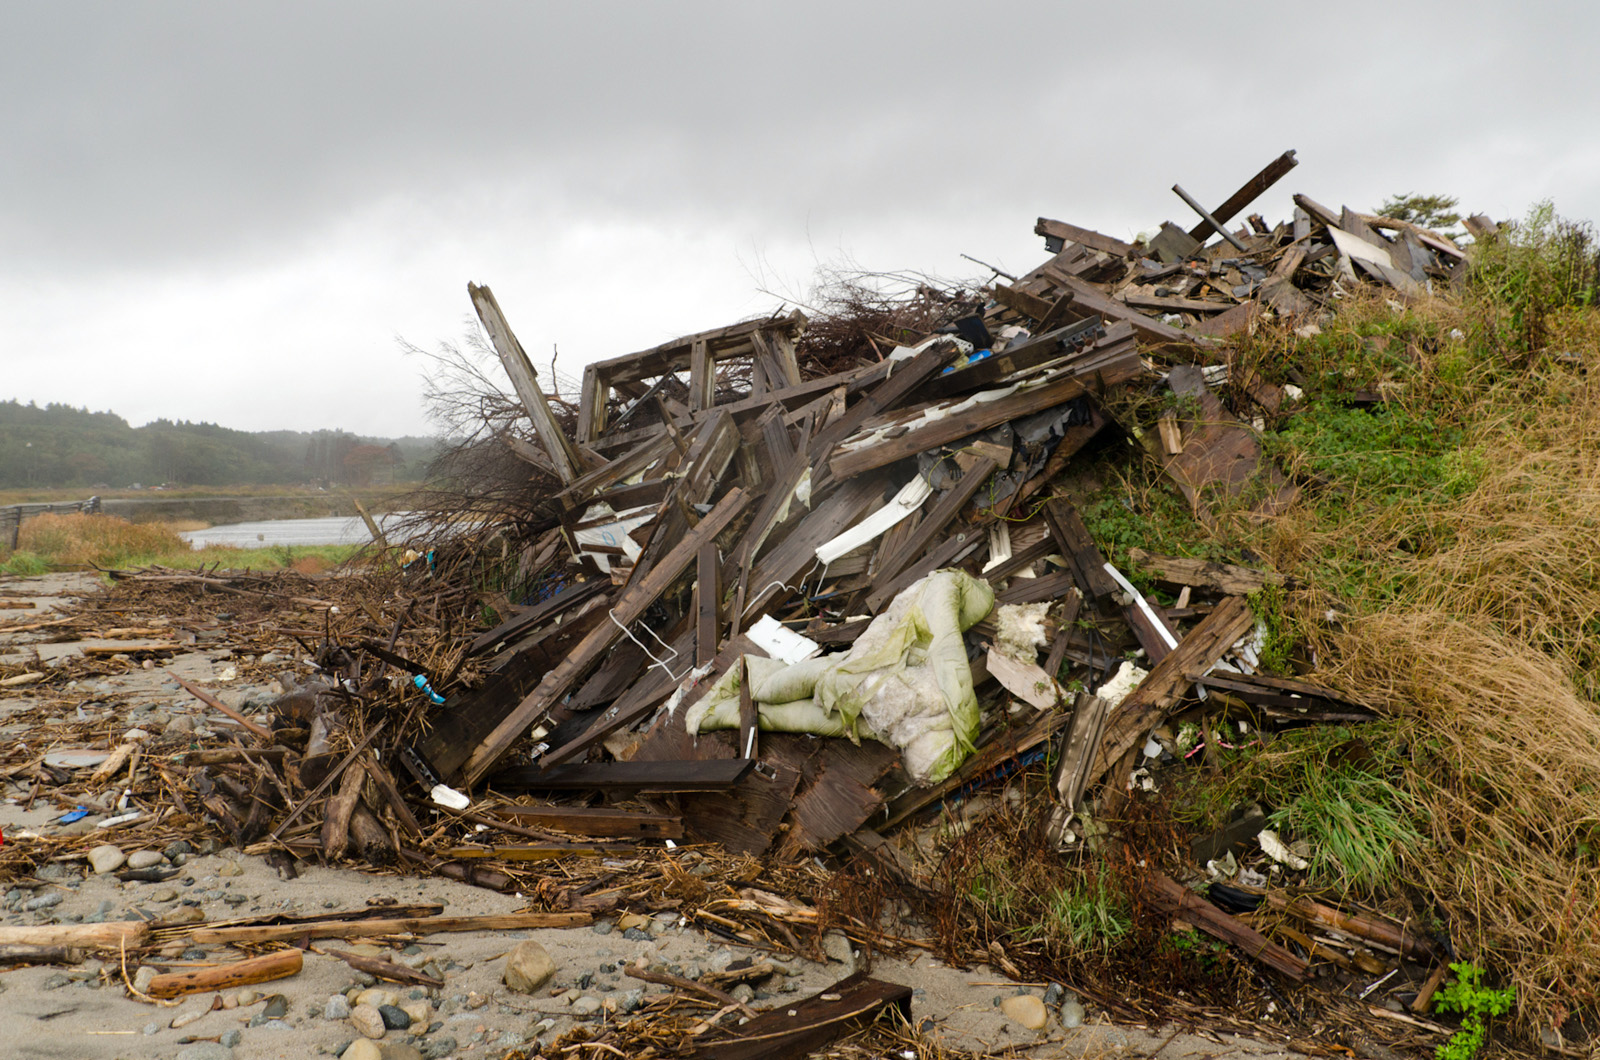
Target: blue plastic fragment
<point>422,683</point>
<point>76,815</point>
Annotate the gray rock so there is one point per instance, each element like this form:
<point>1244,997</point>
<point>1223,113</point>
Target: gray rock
<point>177,849</point>
<point>142,978</point>
<point>604,927</point>
<point>632,1001</point>
<point>232,1038</point>
<point>55,982</point>
<point>164,894</point>
<point>145,859</point>
<point>1052,994</point>
<point>276,1008</point>
<point>44,901</point>
<point>743,993</point>
<point>528,967</point>
<point>438,1048</point>
<point>836,946</point>
<point>395,1018</point>
<point>368,1020</point>
<point>206,1051</point>
<point>586,1006</point>
<point>337,1008</point>
<point>1072,1012</point>
<point>180,724</point>
<point>509,1040</point>
<point>151,1028</point>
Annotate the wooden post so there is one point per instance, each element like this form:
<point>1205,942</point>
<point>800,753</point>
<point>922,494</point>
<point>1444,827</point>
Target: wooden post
<point>526,381</point>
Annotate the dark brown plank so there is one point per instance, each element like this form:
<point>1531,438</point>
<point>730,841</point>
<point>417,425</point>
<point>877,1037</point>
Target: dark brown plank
<point>1270,174</point>
<point>595,820</point>
<point>1059,233</point>
<point>794,1031</point>
<point>718,775</point>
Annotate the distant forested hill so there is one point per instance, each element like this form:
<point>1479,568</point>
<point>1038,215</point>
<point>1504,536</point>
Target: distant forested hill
<point>57,445</point>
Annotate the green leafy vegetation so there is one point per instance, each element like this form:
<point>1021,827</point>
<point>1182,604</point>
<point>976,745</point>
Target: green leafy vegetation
<point>1476,1003</point>
<point>1437,212</point>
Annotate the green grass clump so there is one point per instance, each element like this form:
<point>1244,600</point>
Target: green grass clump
<point>1343,791</point>
<point>24,564</point>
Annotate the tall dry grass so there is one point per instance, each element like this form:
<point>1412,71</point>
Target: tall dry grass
<point>1488,637</point>
<point>101,540</point>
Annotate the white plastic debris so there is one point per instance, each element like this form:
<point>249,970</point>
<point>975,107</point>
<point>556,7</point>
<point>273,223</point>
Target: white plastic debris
<point>448,797</point>
<point>1278,851</point>
<point>228,675</point>
<point>112,822</point>
<point>1125,680</point>
<point>781,642</point>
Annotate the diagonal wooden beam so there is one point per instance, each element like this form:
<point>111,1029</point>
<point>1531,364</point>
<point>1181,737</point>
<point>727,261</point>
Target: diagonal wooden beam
<point>636,597</point>
<point>514,359</point>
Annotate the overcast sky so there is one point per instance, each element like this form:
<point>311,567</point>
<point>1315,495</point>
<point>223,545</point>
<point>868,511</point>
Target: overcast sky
<point>233,212</point>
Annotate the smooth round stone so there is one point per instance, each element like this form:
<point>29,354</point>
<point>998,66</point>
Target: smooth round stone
<point>586,1006</point>
<point>377,997</point>
<point>145,859</point>
<point>1072,1013</point>
<point>419,1011</point>
<point>338,1008</point>
<point>106,858</point>
<point>1026,1010</point>
<point>395,1018</point>
<point>368,1020</point>
<point>363,1049</point>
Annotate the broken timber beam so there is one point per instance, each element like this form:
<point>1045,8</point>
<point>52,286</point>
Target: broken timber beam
<point>1255,186</point>
<point>979,416</point>
<point>1159,692</point>
<point>636,597</point>
<point>1058,233</point>
<point>563,455</point>
<point>793,1031</point>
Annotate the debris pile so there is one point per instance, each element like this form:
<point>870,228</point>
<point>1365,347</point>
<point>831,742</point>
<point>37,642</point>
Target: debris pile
<point>754,536</point>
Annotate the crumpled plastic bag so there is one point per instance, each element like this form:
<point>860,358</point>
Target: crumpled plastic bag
<point>905,682</point>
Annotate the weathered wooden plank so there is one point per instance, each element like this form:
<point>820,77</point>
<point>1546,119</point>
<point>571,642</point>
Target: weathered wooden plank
<point>1204,574</point>
<point>563,455</point>
<point>1059,233</point>
<point>1159,692</point>
<point>537,615</point>
<point>717,775</point>
<point>1077,545</point>
<point>595,820</point>
<point>981,416</point>
<point>375,926</point>
<point>1270,174</point>
<point>1169,304</point>
<point>1088,298</point>
<point>1013,362</point>
<point>794,1031</point>
<point>630,605</point>
<point>1185,904</point>
<point>948,507</point>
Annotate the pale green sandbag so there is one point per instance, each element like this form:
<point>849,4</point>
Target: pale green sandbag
<point>904,682</point>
